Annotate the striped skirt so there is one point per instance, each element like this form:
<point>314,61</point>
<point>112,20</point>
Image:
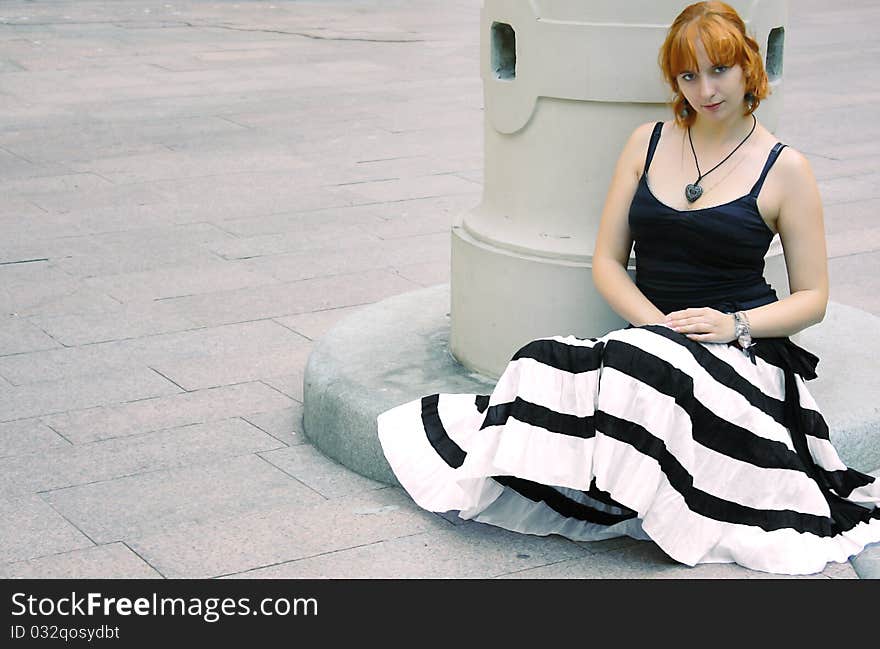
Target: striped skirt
<point>715,456</point>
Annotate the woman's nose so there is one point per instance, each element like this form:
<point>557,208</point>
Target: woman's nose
<point>707,88</point>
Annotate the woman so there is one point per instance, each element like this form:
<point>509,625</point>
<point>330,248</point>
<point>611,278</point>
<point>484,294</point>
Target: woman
<point>693,426</point>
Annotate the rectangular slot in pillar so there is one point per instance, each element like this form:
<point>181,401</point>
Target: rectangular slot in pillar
<point>775,47</point>
<point>503,51</point>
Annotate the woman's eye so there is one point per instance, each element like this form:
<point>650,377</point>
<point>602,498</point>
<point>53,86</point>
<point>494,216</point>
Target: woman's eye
<point>720,68</point>
<point>687,76</point>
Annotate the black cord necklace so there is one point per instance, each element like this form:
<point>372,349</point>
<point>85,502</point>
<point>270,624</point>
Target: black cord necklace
<point>693,191</point>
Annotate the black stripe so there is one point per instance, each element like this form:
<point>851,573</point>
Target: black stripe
<point>603,496</point>
<point>562,504</point>
<point>481,401</point>
<point>799,421</point>
<point>708,429</point>
<point>717,508</point>
<point>568,358</point>
<point>844,482</point>
<point>813,422</point>
<point>535,415</point>
<point>451,452</point>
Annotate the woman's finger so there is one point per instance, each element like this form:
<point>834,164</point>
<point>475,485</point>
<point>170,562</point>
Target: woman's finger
<point>697,327</point>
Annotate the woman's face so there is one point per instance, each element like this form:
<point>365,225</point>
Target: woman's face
<point>715,92</point>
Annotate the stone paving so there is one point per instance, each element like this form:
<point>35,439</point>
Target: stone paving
<point>191,193</point>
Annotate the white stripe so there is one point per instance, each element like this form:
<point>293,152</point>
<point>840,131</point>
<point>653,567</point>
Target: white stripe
<point>767,378</point>
<point>713,472</point>
<point>725,402</point>
<point>543,385</point>
<point>530,452</point>
<point>692,538</point>
<point>430,482</point>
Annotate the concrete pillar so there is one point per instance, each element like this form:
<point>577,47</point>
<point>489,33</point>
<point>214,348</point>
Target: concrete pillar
<point>565,82</point>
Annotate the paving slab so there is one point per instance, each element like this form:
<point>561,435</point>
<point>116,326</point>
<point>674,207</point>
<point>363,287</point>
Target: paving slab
<point>315,324</point>
<point>111,561</point>
<point>238,367</point>
<point>289,384</point>
<point>472,551</point>
<point>122,322</point>
<point>18,336</point>
<point>209,345</point>
<point>254,541</point>
<point>291,298</point>
<point>28,436</point>
<point>107,460</point>
<point>284,425</point>
<point>252,400</point>
<point>308,465</point>
<point>53,297</point>
<point>29,527</point>
<point>144,504</point>
<point>51,397</point>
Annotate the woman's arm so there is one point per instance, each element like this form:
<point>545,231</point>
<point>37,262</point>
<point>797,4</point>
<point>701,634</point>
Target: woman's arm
<point>614,241</point>
<point>802,232</point>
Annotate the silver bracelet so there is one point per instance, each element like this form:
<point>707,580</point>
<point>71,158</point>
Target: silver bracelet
<point>742,331</point>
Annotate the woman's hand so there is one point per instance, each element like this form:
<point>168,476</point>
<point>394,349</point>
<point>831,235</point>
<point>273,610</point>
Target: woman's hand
<point>703,324</point>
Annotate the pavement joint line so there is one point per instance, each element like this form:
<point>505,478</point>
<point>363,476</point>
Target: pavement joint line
<point>142,558</point>
<point>363,182</point>
<point>38,206</point>
<point>543,565</point>
<point>30,320</point>
<point>276,284</point>
<point>290,475</point>
<point>144,433</point>
<point>854,254</point>
<point>400,157</point>
<point>146,472</point>
<point>417,198</point>
<point>260,428</point>
<point>232,121</point>
<point>54,554</point>
<point>305,34</point>
<point>171,380</point>
<point>856,201</point>
<point>292,329</point>
<point>30,351</point>
<point>322,209</point>
<point>319,554</point>
<point>69,522</point>
<point>13,153</point>
<point>61,435</point>
<point>24,261</point>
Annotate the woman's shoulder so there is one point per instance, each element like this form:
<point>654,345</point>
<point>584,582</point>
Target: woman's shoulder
<point>793,166</point>
<point>636,146</point>
<point>642,133</point>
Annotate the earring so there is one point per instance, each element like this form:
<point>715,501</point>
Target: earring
<point>750,99</point>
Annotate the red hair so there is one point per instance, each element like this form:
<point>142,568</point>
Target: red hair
<point>723,34</point>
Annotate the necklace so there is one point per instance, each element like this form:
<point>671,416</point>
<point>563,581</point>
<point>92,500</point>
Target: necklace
<point>693,191</point>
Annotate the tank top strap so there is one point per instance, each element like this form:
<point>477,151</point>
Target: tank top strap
<point>774,153</point>
<point>655,137</point>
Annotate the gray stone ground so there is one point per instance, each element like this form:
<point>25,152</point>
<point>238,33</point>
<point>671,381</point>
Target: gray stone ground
<point>192,192</point>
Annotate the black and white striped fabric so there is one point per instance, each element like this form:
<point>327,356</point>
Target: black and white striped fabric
<point>643,433</point>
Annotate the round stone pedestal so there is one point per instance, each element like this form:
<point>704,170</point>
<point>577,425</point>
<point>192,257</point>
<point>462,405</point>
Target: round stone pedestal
<point>397,350</point>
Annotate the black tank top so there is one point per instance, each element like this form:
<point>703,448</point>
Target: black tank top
<point>711,257</point>
<point>715,257</point>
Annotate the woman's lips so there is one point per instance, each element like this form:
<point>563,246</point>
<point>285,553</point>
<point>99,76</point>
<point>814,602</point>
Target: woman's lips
<point>713,106</point>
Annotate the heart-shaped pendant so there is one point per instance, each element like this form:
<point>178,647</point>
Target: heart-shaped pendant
<point>693,192</point>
